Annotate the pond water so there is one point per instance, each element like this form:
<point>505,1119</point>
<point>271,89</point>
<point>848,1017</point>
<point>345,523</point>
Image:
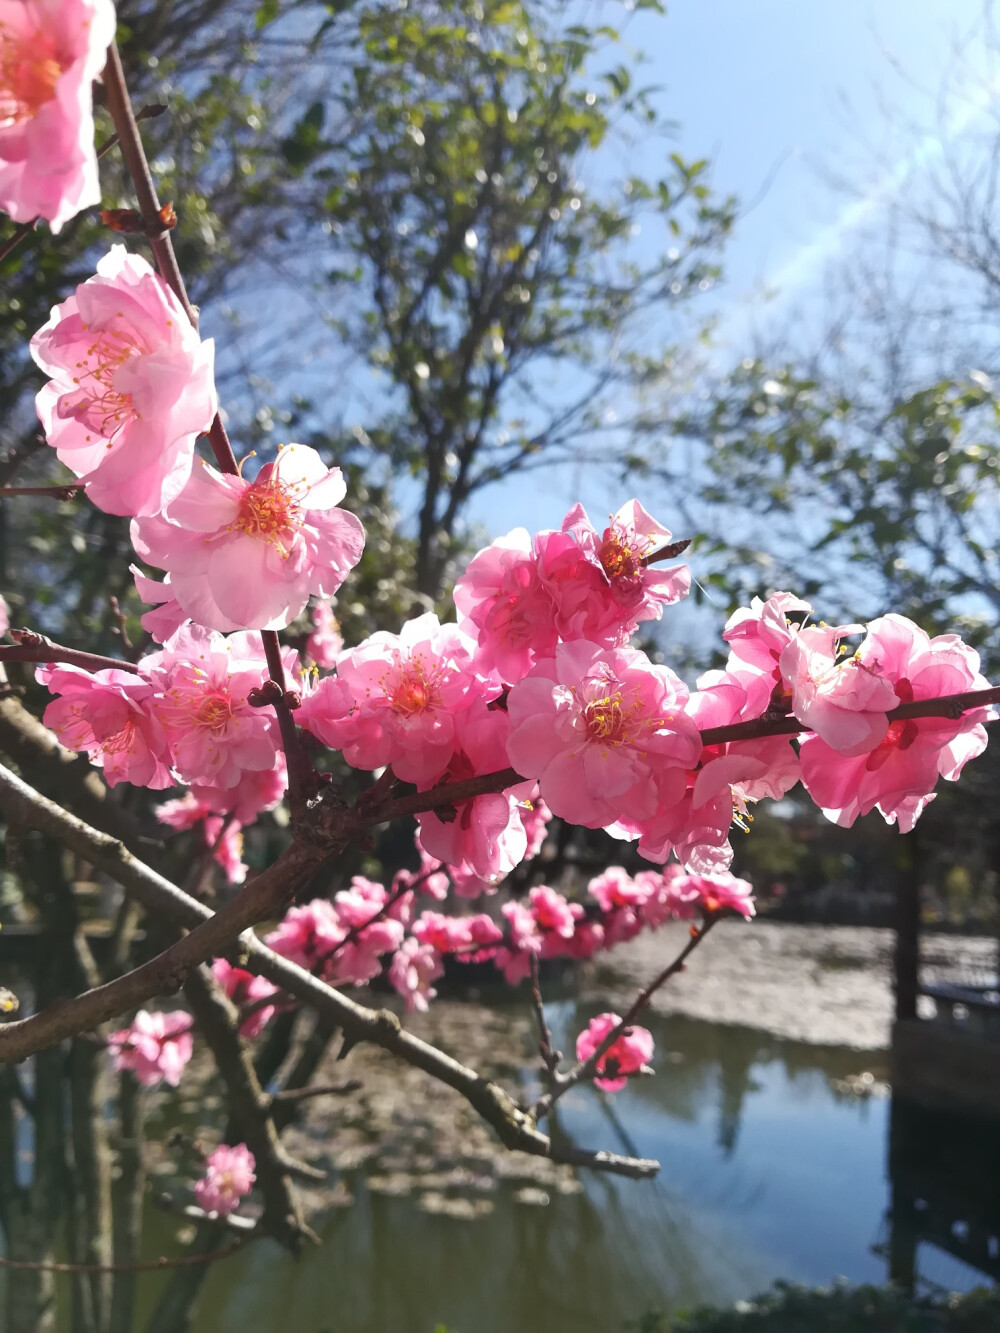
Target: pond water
<point>774,1166</point>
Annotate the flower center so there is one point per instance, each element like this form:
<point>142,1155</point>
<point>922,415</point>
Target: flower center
<point>120,743</point>
<point>621,554</point>
<point>102,407</point>
<point>214,712</point>
<point>29,72</point>
<point>269,512</point>
<point>414,693</point>
<point>605,719</point>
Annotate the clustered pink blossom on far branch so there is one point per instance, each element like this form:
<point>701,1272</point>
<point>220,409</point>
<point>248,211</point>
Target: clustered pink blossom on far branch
<point>155,1046</point>
<point>229,1178</point>
<point>626,1055</point>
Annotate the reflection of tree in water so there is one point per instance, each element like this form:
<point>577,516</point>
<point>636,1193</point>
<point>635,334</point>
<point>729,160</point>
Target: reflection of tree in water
<point>707,1064</point>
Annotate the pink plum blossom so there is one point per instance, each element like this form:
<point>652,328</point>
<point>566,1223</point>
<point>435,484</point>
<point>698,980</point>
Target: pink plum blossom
<point>715,893</point>
<point>307,935</point>
<point>536,817</point>
<point>505,606</point>
<point>430,878</point>
<point>456,934</point>
<point>202,681</point>
<point>248,555</point>
<point>50,53</point>
<point>898,775</point>
<point>524,938</point>
<point>486,838</point>
<point>626,1055</point>
<point>640,591</point>
<point>604,732</point>
<point>840,697</point>
<point>109,714</point>
<point>758,634</point>
<point>155,1046</point>
<point>166,616</point>
<point>414,966</point>
<point>243,988</point>
<point>225,838</point>
<point>4,617</point>
<point>552,912</point>
<point>325,644</point>
<point>256,791</point>
<point>131,386</point>
<point>229,1177</point>
<point>397,699</point>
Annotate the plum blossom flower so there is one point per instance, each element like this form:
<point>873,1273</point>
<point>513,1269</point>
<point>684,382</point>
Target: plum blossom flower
<point>553,913</point>
<point>626,1055</point>
<point>109,714</point>
<point>306,935</point>
<point>203,681</point>
<point>899,773</point>
<point>524,938</point>
<point>604,732</point>
<point>842,698</point>
<point>131,386</point>
<point>715,893</point>
<point>325,644</point>
<point>224,836</point>
<point>758,634</point>
<point>396,699</point>
<point>248,555</point>
<point>506,608</point>
<point>4,617</point>
<point>486,838</point>
<point>640,591</point>
<point>155,1046</point>
<point>452,934</point>
<point>244,987</point>
<point>414,966</point>
<point>229,1177</point>
<point>50,53</point>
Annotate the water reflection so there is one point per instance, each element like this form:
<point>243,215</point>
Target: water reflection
<point>768,1171</point>
<point>773,1167</point>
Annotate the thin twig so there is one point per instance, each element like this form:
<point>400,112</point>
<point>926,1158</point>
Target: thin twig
<point>587,1068</point>
<point>550,1057</point>
<point>66,492</point>
<point>34,647</point>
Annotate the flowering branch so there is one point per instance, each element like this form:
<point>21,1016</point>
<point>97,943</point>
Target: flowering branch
<point>26,228</point>
<point>300,775</point>
<point>584,1069</point>
<point>515,1127</point>
<point>947,705</point>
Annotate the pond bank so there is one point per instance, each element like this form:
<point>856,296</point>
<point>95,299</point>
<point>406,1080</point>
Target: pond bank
<point>826,985</point>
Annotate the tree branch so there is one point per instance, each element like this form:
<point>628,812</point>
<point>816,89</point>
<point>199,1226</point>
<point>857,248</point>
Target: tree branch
<point>515,1128</point>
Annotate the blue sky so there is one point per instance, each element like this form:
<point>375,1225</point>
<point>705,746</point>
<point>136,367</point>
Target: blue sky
<point>781,95</point>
